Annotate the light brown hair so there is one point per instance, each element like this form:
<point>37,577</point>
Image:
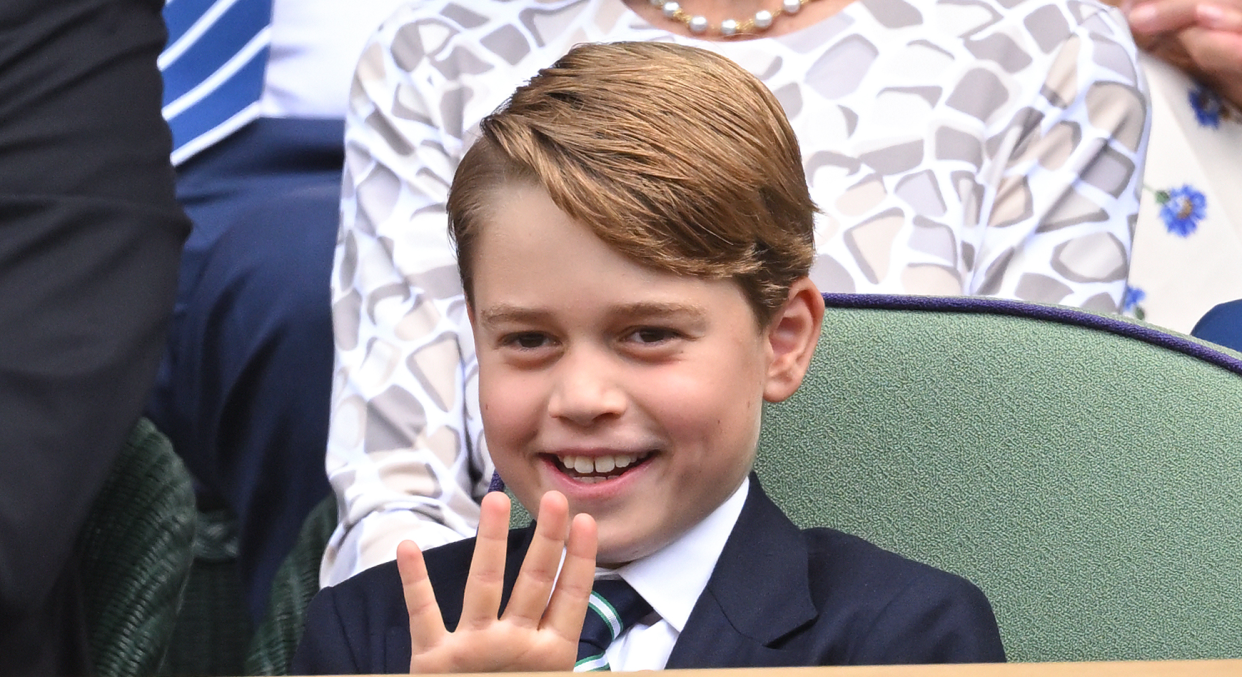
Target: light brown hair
<point>674,156</point>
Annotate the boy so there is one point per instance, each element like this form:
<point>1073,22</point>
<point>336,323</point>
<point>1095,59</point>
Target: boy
<point>634,233</point>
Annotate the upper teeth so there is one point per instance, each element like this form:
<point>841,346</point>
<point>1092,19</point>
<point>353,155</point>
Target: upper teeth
<point>591,464</point>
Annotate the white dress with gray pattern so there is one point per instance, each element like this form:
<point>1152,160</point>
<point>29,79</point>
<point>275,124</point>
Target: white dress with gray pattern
<point>987,147</point>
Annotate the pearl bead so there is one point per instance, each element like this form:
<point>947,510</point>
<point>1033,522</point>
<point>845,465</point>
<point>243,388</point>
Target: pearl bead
<point>657,3</point>
<point>763,19</point>
<point>698,24</point>
<point>671,9</point>
<point>728,27</point>
<point>791,6</point>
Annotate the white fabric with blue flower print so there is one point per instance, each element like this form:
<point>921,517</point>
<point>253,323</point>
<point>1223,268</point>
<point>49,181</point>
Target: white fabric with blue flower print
<point>1188,244</point>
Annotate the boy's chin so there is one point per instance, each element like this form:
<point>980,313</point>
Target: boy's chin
<point>614,561</point>
<point>616,552</point>
<point>611,565</point>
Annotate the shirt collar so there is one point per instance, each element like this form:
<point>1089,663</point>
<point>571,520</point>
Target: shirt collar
<point>672,578</point>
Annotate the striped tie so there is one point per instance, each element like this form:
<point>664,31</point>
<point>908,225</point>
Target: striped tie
<point>613,607</point>
<point>213,69</point>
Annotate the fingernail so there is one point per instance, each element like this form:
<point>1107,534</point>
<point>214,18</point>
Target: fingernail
<point>1142,15</point>
<point>1216,16</point>
<point>1210,14</point>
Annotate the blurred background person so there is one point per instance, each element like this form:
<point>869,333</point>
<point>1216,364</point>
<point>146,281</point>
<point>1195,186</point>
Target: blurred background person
<point>255,93</point>
<point>89,239</point>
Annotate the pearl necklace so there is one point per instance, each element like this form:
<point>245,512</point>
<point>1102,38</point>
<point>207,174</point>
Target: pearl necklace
<point>728,28</point>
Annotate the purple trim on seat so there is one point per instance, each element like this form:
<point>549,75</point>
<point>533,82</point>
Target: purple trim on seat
<point>496,484</point>
<point>1060,314</point>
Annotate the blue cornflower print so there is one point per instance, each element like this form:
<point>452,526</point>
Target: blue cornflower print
<point>1181,209</point>
<point>1130,303</point>
<point>1208,106</point>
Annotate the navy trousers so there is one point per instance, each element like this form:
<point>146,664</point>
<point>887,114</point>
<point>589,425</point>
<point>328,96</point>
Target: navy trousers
<point>244,388</point>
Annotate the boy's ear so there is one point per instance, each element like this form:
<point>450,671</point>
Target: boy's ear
<point>792,335</point>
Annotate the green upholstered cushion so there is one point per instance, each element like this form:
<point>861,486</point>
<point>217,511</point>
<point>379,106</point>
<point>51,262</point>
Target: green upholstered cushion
<point>296,582</point>
<point>135,552</point>
<point>1089,481</point>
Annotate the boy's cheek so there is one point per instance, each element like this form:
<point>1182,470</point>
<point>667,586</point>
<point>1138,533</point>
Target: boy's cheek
<point>506,399</point>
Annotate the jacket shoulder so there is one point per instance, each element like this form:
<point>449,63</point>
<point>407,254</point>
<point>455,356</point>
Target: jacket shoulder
<point>892,609</point>
<point>345,624</point>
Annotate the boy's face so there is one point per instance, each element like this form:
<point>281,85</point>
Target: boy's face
<point>634,392</point>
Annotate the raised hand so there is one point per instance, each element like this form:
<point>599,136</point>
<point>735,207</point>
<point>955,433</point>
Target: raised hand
<point>536,633</point>
<point>1202,37</point>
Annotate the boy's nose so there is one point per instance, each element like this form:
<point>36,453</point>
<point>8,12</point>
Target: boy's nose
<point>585,391</point>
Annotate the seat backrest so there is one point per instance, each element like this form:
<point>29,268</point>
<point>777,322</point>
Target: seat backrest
<point>1084,471</point>
<point>135,552</point>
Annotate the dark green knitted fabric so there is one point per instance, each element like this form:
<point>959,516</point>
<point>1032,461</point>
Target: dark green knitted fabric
<point>297,581</point>
<point>1089,483</point>
<point>135,551</point>
<point>213,631</point>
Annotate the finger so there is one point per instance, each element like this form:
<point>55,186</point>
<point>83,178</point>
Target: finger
<point>1220,17</point>
<point>1217,60</point>
<point>1216,54</point>
<point>484,585</point>
<point>568,606</point>
<point>426,624</point>
<point>1162,16</point>
<point>543,560</point>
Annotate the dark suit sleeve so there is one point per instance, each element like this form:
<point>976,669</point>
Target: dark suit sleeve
<point>324,648</point>
<point>361,626</point>
<point>358,627</point>
<point>937,618</point>
<point>90,236</point>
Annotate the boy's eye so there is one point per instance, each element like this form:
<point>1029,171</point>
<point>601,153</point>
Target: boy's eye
<point>652,335</point>
<point>526,340</point>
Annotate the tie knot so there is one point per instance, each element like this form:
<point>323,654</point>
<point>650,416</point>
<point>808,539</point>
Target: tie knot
<point>613,607</point>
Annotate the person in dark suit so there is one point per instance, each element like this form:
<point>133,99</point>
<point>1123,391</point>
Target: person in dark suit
<point>636,280</point>
<point>256,92</point>
<point>778,597</point>
<point>90,234</point>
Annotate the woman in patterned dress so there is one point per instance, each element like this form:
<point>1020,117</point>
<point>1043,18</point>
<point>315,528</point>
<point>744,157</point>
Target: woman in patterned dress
<point>987,147</point>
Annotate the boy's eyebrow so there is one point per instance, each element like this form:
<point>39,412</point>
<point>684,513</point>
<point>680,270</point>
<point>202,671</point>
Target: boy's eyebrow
<point>657,309</point>
<point>504,312</point>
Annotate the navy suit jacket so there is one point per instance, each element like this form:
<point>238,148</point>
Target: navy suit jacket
<point>778,596</point>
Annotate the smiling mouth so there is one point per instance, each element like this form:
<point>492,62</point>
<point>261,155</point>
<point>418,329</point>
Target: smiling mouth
<point>592,469</point>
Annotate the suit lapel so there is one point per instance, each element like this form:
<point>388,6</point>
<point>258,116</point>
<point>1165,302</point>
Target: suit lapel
<point>757,594</point>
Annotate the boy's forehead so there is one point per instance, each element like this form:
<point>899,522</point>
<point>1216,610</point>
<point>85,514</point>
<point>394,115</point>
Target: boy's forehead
<point>526,200</point>
<point>526,243</point>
